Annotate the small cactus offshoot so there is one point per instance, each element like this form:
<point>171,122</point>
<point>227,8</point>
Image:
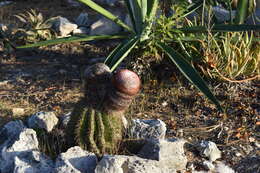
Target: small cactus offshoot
<point>96,122</point>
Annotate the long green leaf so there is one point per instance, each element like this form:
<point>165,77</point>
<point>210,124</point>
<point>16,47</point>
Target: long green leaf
<point>149,19</point>
<point>131,14</point>
<point>144,9</point>
<point>152,6</point>
<point>190,10</point>
<point>121,52</point>
<point>189,72</point>
<point>202,38</point>
<point>105,13</point>
<point>112,54</point>
<point>251,7</point>
<point>136,11</point>
<point>188,39</point>
<point>194,6</point>
<point>75,38</point>
<point>221,28</point>
<point>241,12</point>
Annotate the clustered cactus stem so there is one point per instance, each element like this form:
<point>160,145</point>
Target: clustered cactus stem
<point>96,122</point>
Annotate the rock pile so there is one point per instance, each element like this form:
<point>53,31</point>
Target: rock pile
<point>19,151</point>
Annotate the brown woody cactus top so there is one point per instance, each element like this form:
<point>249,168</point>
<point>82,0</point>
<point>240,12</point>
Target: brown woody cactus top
<point>97,78</point>
<point>125,85</point>
<point>126,82</point>
<point>114,92</point>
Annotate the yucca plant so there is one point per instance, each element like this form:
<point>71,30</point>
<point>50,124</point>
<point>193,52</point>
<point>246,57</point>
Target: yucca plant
<point>143,15</point>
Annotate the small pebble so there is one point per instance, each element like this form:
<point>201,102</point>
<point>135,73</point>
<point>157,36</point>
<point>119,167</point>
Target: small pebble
<point>209,150</point>
<point>251,139</point>
<point>164,104</point>
<point>238,154</point>
<point>208,165</point>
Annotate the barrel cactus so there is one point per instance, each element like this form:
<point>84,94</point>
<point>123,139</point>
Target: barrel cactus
<point>96,121</point>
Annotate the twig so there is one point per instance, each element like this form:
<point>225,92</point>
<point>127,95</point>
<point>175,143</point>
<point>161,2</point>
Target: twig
<point>236,81</point>
<point>221,130</point>
<point>4,95</point>
<point>205,129</point>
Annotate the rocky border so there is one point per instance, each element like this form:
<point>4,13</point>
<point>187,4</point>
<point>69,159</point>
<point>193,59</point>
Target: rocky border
<point>19,151</point>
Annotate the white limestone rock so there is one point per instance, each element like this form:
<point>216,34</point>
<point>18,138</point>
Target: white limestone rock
<point>43,120</point>
<point>63,26</point>
<point>82,20</point>
<point>15,141</point>
<point>169,153</point>
<point>104,26</point>
<point>76,160</point>
<point>222,168</point>
<point>81,30</point>
<point>222,14</point>
<point>147,129</point>
<point>209,150</point>
<point>130,164</point>
<point>33,162</point>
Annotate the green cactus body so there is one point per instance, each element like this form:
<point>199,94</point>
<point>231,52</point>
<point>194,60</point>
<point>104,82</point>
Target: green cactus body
<point>94,130</point>
<point>96,121</point>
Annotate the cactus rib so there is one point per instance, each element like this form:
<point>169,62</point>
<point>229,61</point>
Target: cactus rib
<point>91,145</point>
<point>100,132</point>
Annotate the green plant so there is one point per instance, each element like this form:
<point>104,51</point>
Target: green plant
<point>228,55</point>
<point>143,17</point>
<point>233,56</point>
<point>142,14</point>
<point>94,130</point>
<point>7,38</point>
<point>96,121</point>
<point>35,28</point>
